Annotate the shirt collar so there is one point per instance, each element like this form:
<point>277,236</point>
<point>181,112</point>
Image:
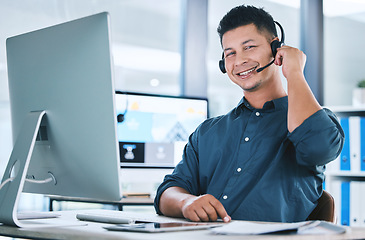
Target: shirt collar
<point>276,104</point>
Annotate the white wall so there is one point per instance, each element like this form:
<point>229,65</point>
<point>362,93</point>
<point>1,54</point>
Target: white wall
<point>344,61</point>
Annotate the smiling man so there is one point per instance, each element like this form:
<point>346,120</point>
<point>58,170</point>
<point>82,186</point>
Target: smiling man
<point>265,159</point>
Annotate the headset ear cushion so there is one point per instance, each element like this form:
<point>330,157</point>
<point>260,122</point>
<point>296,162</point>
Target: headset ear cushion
<point>222,66</point>
<point>274,47</point>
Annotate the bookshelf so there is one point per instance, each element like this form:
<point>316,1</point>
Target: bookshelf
<point>345,177</point>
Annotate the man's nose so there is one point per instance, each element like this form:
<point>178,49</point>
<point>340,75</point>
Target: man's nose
<point>241,59</point>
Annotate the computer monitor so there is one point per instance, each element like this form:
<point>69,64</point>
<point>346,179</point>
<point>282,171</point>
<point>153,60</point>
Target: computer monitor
<point>153,129</point>
<point>60,83</point>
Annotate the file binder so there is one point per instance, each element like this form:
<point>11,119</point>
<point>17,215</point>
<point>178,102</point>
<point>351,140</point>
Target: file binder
<point>362,144</point>
<point>345,203</point>
<point>345,154</point>
<point>362,205</point>
<point>354,142</point>
<point>336,194</point>
<point>355,203</point>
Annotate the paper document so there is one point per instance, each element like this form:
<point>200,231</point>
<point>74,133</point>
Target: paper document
<point>254,228</point>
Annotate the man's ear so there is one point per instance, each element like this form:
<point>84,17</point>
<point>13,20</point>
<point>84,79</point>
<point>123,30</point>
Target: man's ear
<point>275,44</point>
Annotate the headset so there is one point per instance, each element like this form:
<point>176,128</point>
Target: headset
<point>121,116</point>
<point>274,49</point>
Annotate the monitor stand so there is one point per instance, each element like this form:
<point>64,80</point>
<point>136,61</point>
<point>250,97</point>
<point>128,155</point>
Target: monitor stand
<point>17,167</point>
<point>15,174</point>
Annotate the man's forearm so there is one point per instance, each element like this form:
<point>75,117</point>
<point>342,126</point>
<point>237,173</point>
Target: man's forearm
<point>171,201</point>
<point>301,101</point>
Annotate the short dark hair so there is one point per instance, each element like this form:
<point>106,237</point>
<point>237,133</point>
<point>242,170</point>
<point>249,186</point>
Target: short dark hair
<point>244,15</point>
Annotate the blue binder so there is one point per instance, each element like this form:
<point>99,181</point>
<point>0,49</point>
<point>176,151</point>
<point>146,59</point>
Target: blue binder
<point>345,154</point>
<point>362,143</point>
<point>345,203</point>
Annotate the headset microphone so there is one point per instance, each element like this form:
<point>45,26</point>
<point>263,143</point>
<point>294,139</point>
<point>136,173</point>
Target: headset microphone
<point>274,49</point>
<point>121,116</point>
<point>262,68</point>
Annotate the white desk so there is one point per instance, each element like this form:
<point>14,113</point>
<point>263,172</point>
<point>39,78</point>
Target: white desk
<point>95,231</point>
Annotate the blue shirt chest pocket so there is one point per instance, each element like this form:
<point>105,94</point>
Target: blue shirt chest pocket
<point>268,154</point>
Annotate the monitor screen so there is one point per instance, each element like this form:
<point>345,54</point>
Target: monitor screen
<point>64,71</point>
<point>153,129</point>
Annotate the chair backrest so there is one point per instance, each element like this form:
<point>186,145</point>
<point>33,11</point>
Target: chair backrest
<point>325,209</point>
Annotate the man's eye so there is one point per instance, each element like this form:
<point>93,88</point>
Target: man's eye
<point>229,54</point>
<point>249,47</point>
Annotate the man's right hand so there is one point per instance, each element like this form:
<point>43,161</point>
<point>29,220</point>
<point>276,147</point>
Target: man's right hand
<point>204,208</point>
<point>177,202</point>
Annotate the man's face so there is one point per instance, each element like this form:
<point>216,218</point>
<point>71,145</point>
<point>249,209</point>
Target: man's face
<point>245,50</point>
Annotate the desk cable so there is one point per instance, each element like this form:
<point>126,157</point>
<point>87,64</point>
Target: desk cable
<point>47,180</point>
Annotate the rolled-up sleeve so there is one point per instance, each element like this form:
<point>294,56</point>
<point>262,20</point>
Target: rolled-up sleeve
<point>319,139</point>
<point>185,174</point>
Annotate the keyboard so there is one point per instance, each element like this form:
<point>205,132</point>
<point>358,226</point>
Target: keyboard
<point>121,217</point>
<point>36,215</point>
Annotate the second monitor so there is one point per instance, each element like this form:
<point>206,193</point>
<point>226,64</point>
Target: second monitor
<point>153,129</point>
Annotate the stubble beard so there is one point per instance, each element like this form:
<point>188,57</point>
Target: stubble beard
<point>253,88</point>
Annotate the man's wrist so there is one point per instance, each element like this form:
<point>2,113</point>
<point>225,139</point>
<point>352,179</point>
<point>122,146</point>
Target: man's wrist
<point>295,76</point>
<point>185,200</point>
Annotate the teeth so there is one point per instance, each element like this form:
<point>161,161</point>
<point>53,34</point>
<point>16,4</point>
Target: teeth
<point>246,72</point>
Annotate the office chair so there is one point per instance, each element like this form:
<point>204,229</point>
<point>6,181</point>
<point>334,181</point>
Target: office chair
<point>325,209</point>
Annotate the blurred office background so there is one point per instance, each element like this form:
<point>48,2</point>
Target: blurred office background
<point>171,46</point>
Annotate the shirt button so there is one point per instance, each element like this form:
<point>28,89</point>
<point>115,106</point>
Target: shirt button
<point>257,114</point>
<point>239,169</point>
<point>225,197</point>
<point>247,139</point>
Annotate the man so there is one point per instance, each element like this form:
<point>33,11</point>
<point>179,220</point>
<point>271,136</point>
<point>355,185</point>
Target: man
<point>265,159</point>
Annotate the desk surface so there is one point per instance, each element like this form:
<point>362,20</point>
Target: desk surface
<point>92,230</point>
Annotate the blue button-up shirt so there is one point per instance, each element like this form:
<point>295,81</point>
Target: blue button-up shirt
<point>249,161</point>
